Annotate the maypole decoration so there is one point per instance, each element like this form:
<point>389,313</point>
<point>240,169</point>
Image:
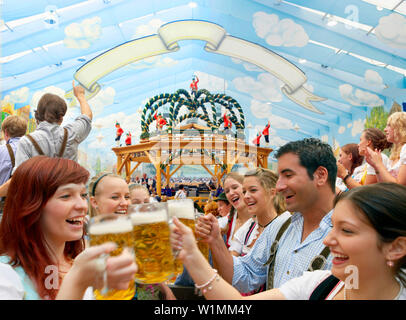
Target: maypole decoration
<point>204,106</point>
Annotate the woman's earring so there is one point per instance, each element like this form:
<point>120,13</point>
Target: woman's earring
<point>390,263</point>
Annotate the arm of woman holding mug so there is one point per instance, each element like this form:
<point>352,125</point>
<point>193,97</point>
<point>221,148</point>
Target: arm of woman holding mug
<point>205,277</point>
<point>208,229</point>
<point>87,271</point>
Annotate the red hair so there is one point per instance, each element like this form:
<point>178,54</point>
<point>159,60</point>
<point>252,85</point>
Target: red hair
<point>33,183</point>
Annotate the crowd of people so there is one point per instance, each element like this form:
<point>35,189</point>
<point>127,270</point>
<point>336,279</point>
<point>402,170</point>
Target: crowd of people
<point>296,233</point>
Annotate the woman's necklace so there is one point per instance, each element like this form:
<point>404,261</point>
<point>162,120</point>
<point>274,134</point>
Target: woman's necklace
<point>266,224</point>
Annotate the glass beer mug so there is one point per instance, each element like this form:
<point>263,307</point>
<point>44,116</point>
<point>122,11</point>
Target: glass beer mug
<point>203,246</point>
<point>184,210</point>
<point>118,229</point>
<point>151,243</point>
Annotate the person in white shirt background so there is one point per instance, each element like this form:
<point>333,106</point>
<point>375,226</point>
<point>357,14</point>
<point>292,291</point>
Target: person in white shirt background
<point>375,139</point>
<point>181,193</point>
<point>350,164</point>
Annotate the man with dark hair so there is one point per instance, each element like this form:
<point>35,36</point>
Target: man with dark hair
<point>291,244</point>
<point>181,193</point>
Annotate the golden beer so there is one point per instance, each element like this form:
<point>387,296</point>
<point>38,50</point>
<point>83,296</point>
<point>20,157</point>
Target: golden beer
<point>152,246</point>
<point>183,209</point>
<point>109,230</point>
<point>118,229</point>
<point>203,246</point>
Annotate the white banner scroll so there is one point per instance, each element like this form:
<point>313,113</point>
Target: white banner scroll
<point>217,41</point>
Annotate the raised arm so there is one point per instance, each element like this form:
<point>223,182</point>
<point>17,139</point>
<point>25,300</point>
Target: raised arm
<point>79,93</point>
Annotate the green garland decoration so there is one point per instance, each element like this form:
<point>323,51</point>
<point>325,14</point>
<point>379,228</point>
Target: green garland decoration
<point>196,107</point>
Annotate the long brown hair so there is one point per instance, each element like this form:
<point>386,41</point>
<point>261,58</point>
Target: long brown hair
<point>378,139</point>
<point>357,159</point>
<point>33,183</point>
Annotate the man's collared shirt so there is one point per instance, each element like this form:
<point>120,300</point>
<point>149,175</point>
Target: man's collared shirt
<point>293,256</point>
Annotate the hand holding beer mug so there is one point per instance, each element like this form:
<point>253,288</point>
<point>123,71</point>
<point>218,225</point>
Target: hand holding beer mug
<point>184,210</point>
<point>151,244</point>
<point>118,229</point>
<point>203,245</point>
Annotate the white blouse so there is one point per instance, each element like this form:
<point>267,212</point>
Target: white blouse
<point>237,242</point>
<point>385,161</point>
<point>357,175</point>
<point>301,288</point>
<point>394,167</point>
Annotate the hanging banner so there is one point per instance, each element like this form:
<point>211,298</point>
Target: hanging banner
<point>217,41</point>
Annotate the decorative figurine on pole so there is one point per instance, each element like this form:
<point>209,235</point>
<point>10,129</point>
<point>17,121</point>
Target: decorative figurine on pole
<point>193,85</point>
<point>128,139</point>
<point>227,123</point>
<point>265,132</point>
<point>257,139</point>
<point>119,132</point>
<point>160,121</point>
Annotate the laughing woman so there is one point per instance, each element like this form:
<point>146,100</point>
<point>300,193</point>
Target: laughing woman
<point>42,236</point>
<point>368,239</point>
<point>395,133</point>
<point>263,203</point>
<point>239,215</point>
<point>109,193</point>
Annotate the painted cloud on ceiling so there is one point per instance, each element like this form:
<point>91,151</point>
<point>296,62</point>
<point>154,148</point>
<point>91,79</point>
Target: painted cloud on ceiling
<point>38,94</point>
<point>278,32</point>
<point>18,96</point>
<point>359,97</point>
<point>373,78</point>
<point>391,30</point>
<point>265,88</point>
<point>83,35</point>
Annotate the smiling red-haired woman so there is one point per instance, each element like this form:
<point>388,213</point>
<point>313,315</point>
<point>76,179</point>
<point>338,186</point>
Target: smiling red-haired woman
<point>42,230</point>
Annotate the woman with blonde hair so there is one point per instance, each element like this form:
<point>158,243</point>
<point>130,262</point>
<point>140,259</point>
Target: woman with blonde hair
<point>395,133</point>
<point>108,193</point>
<point>139,194</point>
<point>259,189</point>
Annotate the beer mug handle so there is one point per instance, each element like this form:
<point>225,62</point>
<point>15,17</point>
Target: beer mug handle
<point>102,260</point>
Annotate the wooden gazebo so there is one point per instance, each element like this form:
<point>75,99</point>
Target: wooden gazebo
<point>192,144</point>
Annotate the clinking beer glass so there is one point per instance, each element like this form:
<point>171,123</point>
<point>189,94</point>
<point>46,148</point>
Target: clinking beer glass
<point>151,244</point>
<point>203,246</point>
<point>184,210</point>
<point>112,228</point>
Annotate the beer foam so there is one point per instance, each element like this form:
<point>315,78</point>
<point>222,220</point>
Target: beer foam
<point>181,209</point>
<point>148,217</point>
<point>112,226</point>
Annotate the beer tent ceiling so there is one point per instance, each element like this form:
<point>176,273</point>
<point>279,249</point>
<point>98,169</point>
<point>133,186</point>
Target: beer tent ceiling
<point>351,54</point>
